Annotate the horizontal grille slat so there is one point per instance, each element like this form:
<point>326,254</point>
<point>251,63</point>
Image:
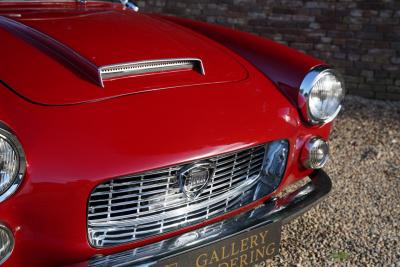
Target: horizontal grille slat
<point>239,162</point>
<point>143,205</point>
<point>227,160</point>
<point>239,171</point>
<point>129,190</point>
<point>133,183</point>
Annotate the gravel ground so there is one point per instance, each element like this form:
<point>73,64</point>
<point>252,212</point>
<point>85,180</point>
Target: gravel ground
<point>359,223</point>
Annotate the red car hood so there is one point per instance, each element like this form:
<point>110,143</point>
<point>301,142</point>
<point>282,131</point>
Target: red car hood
<point>60,51</point>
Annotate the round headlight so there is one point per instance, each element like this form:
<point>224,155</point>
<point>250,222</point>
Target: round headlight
<point>6,243</point>
<point>12,164</point>
<point>321,95</point>
<point>315,153</point>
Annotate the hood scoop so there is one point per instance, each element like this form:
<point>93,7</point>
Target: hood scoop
<point>150,66</point>
<point>108,72</point>
<point>70,59</point>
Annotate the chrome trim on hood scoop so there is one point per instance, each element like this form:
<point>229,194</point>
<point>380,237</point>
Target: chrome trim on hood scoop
<point>150,66</point>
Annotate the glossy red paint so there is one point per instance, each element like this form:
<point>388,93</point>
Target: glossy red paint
<point>74,46</point>
<point>76,134</point>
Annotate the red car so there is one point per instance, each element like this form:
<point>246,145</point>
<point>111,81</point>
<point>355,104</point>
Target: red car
<point>131,139</point>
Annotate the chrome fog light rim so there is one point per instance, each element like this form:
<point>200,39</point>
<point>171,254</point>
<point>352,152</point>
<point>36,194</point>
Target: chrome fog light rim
<point>306,89</point>
<point>312,148</point>
<point>7,136</point>
<point>7,246</point>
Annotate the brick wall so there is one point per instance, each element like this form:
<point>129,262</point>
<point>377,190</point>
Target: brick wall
<point>360,38</point>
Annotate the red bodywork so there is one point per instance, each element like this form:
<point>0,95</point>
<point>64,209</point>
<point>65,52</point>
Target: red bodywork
<point>76,134</point>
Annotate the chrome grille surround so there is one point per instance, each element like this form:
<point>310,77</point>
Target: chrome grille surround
<point>136,207</point>
<point>278,210</point>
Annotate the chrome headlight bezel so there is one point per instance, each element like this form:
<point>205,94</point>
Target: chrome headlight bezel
<point>306,88</point>
<point>17,178</point>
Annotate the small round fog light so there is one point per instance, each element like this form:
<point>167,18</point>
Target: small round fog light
<point>315,153</point>
<point>6,243</point>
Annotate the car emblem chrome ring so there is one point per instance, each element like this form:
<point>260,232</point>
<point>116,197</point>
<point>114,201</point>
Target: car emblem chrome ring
<point>194,178</point>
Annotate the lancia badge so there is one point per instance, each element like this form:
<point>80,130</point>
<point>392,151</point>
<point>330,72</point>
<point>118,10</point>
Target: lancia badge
<point>194,178</point>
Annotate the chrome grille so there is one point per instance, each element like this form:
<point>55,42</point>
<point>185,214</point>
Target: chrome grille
<point>140,206</point>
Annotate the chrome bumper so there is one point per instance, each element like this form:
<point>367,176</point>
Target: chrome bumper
<point>282,210</point>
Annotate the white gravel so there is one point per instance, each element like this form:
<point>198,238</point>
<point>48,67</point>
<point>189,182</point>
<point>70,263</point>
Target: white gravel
<point>359,223</point>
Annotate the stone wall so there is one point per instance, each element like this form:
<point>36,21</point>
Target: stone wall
<point>360,38</point>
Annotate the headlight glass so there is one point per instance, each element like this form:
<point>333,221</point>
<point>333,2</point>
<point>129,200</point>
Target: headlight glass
<point>12,164</point>
<point>321,95</point>
<point>8,165</point>
<point>6,243</point>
